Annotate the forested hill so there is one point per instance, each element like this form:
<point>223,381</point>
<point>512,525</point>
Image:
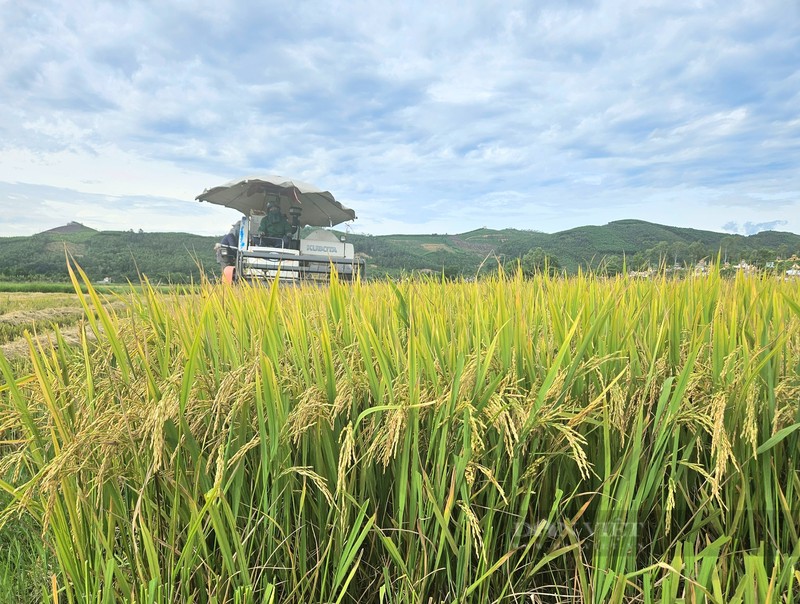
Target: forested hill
<point>116,255</point>
<point>635,242</point>
<point>180,257</point>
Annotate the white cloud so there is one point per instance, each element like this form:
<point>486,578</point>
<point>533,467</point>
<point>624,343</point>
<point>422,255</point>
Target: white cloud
<point>416,115</point>
<point>35,208</point>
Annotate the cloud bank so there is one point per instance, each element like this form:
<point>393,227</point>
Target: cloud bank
<point>423,117</point>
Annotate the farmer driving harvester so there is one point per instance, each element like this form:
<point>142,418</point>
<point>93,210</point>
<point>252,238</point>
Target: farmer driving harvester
<point>275,225</point>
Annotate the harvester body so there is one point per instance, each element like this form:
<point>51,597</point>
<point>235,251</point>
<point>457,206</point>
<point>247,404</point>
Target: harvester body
<point>262,256</point>
<point>314,258</point>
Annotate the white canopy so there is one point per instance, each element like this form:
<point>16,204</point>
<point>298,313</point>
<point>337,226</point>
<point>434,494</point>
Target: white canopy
<point>317,207</point>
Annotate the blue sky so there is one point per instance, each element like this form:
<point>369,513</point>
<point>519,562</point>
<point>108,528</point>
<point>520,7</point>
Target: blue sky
<point>422,116</point>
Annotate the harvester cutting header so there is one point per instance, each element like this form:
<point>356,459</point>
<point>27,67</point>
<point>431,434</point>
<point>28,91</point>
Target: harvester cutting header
<point>275,210</point>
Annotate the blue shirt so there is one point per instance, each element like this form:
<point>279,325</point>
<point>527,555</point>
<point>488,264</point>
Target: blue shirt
<point>231,240</point>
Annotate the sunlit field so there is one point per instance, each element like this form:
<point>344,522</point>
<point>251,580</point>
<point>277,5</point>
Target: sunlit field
<point>26,311</point>
<point>507,440</point>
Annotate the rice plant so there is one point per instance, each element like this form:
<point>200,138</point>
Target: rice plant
<point>506,440</point>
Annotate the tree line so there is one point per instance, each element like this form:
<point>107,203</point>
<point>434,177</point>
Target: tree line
<point>121,256</point>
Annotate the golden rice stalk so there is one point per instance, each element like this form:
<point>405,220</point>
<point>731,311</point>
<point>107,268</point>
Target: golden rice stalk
<point>311,409</point>
<point>473,527</point>
<point>347,456</point>
<point>316,479</point>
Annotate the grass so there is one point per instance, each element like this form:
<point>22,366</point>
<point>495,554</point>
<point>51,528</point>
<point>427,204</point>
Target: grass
<point>54,287</point>
<point>44,287</point>
<point>25,563</point>
<point>16,301</point>
<point>508,440</point>
<point>39,312</point>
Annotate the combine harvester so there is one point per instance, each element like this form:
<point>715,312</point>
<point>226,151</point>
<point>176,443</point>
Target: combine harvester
<point>262,255</point>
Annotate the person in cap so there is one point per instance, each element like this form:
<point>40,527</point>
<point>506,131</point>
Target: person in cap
<point>226,248</point>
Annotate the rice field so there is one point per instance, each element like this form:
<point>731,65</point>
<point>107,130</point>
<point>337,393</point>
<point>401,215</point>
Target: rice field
<point>507,440</point>
<point>39,313</point>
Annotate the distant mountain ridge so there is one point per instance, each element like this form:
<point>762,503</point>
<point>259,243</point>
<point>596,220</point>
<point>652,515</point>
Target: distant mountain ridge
<point>586,247</point>
<point>124,255</point>
<point>69,229</point>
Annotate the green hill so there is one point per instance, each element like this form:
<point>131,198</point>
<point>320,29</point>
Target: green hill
<point>179,257</point>
<point>117,255</point>
<point>587,247</point>
<point>71,228</point>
